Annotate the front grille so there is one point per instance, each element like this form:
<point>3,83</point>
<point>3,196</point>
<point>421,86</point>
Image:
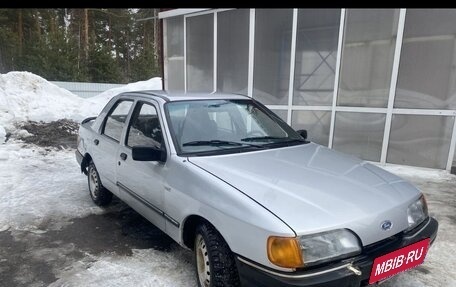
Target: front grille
<point>382,244</point>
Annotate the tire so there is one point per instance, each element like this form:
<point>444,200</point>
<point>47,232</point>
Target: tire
<point>99,194</point>
<point>214,262</point>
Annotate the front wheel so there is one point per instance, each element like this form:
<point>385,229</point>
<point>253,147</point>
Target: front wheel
<point>215,265</point>
<point>99,194</point>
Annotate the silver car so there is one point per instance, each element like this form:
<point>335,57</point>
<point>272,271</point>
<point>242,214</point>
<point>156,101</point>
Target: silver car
<point>257,202</point>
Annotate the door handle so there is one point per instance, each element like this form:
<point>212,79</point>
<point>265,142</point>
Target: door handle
<point>123,156</point>
<point>96,141</point>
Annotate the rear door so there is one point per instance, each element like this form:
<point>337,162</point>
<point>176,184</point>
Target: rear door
<point>142,181</point>
<point>106,145</point>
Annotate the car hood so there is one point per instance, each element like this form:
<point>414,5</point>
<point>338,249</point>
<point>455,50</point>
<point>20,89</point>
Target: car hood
<point>312,189</point>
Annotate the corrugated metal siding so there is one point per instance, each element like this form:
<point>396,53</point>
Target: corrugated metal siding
<point>86,90</point>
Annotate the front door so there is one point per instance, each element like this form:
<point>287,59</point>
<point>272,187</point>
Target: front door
<point>106,145</point>
<point>142,181</point>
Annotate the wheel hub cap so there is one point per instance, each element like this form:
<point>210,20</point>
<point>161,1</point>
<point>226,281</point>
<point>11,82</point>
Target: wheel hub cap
<point>202,262</point>
<point>93,183</point>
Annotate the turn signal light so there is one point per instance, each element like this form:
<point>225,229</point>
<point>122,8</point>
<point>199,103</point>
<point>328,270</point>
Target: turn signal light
<point>285,252</point>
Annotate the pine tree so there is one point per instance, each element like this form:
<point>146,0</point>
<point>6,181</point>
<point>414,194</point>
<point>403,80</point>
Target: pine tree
<point>100,45</point>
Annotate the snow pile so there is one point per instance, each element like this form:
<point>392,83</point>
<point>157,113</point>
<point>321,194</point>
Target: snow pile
<point>101,99</point>
<point>27,97</point>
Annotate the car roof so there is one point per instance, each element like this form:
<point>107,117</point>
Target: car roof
<point>181,96</point>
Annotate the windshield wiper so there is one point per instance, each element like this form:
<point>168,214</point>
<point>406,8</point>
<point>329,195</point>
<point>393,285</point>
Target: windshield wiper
<point>254,139</point>
<point>295,140</point>
<point>219,143</point>
<point>281,140</point>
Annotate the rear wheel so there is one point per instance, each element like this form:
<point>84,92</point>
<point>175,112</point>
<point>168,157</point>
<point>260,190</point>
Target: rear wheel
<point>215,265</point>
<point>99,194</point>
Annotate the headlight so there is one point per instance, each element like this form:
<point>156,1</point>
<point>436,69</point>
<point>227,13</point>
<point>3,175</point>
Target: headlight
<point>417,212</point>
<point>312,249</point>
<point>328,246</point>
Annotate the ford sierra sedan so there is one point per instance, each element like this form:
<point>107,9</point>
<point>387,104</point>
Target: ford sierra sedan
<point>258,203</point>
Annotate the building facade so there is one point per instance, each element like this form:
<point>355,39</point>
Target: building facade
<point>376,83</point>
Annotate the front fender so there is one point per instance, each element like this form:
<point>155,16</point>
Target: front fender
<point>244,224</point>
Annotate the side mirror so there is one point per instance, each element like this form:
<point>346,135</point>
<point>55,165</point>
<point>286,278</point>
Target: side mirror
<point>147,153</point>
<point>303,133</point>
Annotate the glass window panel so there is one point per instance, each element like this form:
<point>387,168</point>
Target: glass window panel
<point>176,75</point>
<point>175,53</point>
<point>145,129</point>
<point>367,57</point>
<point>359,134</point>
<point>272,55</point>
<point>427,71</point>
<point>281,113</point>
<point>200,53</point>
<point>316,54</point>
<point>315,122</point>
<point>233,50</point>
<point>115,121</point>
<point>420,140</point>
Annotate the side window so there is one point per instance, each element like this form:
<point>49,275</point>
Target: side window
<point>115,121</point>
<point>145,129</point>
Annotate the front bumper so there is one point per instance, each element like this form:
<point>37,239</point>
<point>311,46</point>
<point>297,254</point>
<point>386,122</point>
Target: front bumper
<point>353,272</point>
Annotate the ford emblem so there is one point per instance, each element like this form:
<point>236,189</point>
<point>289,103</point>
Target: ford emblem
<point>386,225</point>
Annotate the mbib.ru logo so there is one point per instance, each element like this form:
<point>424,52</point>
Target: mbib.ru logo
<point>399,260</point>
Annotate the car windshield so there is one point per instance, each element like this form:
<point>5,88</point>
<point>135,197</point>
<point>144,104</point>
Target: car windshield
<point>206,127</point>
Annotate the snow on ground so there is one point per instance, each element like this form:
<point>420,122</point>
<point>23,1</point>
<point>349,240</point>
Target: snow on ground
<point>440,189</point>
<point>37,185</point>
<point>146,267</point>
<point>2,134</point>
<point>44,191</point>
<point>417,172</point>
